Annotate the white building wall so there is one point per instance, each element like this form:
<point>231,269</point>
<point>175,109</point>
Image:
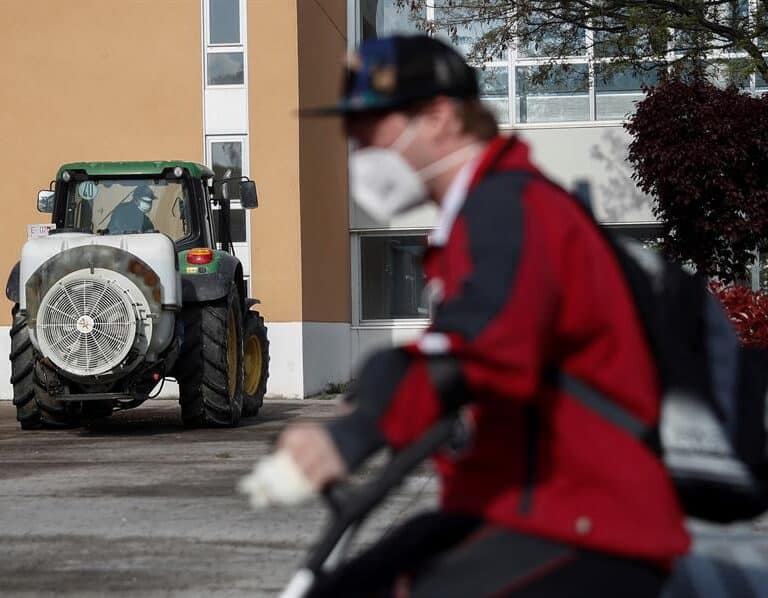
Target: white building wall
<point>366,339</point>
<point>305,359</point>
<point>596,154</point>
<point>327,354</point>
<point>6,391</point>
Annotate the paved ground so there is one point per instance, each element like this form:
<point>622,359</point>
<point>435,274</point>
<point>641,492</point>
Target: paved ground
<point>136,505</point>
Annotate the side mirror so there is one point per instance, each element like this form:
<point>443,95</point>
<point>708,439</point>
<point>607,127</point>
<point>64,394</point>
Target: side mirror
<point>249,199</point>
<point>45,201</point>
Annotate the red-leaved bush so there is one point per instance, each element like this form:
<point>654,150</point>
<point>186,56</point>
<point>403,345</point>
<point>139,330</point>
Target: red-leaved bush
<point>748,310</point>
<point>701,153</point>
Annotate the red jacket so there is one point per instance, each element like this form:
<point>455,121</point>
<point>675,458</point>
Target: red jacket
<point>525,282</point>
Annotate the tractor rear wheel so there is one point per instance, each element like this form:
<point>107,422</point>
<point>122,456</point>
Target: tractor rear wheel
<point>35,384</point>
<point>255,363</point>
<point>210,366</point>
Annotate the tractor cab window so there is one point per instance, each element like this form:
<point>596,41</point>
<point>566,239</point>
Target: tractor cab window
<point>125,206</point>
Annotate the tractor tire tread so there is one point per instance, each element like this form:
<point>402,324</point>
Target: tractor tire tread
<point>35,407</point>
<point>26,370</point>
<point>202,369</point>
<point>254,324</point>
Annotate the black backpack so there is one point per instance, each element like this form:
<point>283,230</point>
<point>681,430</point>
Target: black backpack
<point>712,431</point>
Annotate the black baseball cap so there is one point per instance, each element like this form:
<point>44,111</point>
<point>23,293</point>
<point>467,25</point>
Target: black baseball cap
<point>389,73</point>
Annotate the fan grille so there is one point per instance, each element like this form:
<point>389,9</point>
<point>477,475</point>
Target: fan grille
<point>86,325</point>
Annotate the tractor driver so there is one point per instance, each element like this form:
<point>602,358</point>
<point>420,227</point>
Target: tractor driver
<point>131,217</point>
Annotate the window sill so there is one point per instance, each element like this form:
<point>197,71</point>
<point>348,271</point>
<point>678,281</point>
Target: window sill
<point>593,124</point>
<point>226,86</point>
<point>414,324</point>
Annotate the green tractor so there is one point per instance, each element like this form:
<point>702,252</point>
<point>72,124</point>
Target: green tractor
<point>136,283</point>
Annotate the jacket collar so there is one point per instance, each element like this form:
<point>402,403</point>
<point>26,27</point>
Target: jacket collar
<point>501,153</point>
<point>452,202</point>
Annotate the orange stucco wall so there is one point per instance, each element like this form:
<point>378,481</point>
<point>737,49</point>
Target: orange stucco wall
<point>323,162</point>
<point>92,80</point>
<point>274,155</point>
<point>299,234</point>
<point>96,80</point>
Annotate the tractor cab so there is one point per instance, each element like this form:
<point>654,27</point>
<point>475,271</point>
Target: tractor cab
<point>171,197</point>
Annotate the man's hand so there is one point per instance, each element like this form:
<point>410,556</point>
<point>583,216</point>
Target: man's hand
<point>304,462</point>
<point>314,452</point>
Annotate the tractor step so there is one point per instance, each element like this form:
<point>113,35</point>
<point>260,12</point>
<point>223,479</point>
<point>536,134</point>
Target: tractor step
<point>96,396</point>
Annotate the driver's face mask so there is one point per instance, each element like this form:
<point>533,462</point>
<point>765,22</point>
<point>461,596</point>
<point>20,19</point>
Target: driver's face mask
<point>383,184</point>
<point>145,204</point>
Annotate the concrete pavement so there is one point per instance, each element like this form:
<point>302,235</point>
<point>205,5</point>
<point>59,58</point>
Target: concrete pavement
<point>136,505</point>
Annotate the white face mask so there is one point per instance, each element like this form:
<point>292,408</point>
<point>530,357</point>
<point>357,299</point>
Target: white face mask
<point>145,204</point>
<point>383,184</point>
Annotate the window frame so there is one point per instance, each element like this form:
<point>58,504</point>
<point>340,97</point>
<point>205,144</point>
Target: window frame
<point>357,279</point>
<point>207,25</point>
<point>224,48</point>
<point>234,203</point>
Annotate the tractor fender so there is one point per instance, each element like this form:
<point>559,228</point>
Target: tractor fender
<point>12,286</point>
<point>209,286</point>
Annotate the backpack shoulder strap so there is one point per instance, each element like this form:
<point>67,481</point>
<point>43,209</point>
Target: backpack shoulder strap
<point>596,401</point>
<point>605,407</point>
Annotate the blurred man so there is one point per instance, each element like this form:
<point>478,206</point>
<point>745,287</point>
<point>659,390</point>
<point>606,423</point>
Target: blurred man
<point>545,497</point>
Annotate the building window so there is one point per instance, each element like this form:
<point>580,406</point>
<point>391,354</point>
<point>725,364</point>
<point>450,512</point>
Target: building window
<point>561,97</point>
<point>618,92</point>
<point>494,85</point>
<point>379,18</point>
<point>238,228</point>
<point>225,53</point>
<point>649,234</point>
<point>578,89</point>
<point>224,156</point>
<point>225,68</point>
<point>544,47</point>
<point>468,28</point>
<point>224,21</point>
<point>229,153</point>
<point>392,277</point>
<point>760,85</point>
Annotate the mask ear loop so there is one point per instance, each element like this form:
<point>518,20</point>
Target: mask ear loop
<point>406,137</point>
<point>447,162</point>
<point>436,168</point>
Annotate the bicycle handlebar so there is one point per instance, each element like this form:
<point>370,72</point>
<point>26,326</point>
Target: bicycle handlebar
<point>351,506</point>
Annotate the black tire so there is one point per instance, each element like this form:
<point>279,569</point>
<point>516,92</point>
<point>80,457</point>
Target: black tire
<point>33,381</point>
<point>255,363</point>
<point>209,369</point>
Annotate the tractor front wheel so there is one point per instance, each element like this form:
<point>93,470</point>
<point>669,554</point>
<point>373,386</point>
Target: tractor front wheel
<point>256,363</point>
